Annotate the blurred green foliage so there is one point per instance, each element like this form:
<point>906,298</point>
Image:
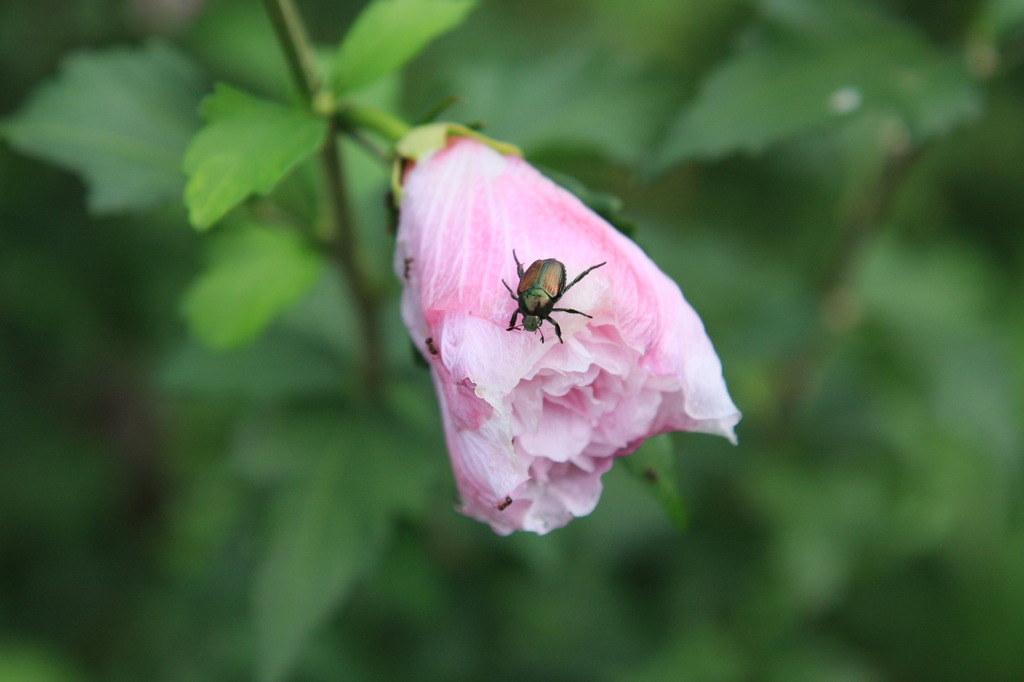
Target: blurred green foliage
<point>835,185</point>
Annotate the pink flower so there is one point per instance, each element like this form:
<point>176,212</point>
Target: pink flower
<point>532,426</point>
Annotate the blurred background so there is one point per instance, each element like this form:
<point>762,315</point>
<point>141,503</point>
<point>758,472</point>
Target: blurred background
<point>836,186</point>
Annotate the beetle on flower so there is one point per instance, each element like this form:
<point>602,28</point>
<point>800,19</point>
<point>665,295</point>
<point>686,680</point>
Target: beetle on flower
<point>540,288</point>
<point>532,427</point>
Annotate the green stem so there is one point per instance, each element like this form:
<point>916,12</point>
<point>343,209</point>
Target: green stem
<point>294,40</point>
<point>344,250</point>
<point>388,126</point>
<point>341,240</point>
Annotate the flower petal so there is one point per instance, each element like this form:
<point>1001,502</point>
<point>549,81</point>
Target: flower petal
<point>539,423</point>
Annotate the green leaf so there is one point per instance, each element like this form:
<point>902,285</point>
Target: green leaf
<point>120,118</point>
<point>304,354</point>
<point>821,62</point>
<point>349,472</point>
<point>247,146</point>
<point>388,33</point>
<point>654,463</point>
<point>255,273</point>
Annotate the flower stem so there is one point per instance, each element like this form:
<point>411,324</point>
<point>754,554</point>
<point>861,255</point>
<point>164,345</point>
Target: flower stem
<point>388,126</point>
<point>294,40</point>
<point>340,237</point>
<point>343,249</point>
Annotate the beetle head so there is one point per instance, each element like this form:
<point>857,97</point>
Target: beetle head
<point>531,323</point>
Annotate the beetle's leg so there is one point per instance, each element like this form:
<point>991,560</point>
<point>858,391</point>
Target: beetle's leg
<point>570,310</point>
<point>512,322</point>
<point>581,276</point>
<point>558,330</point>
<point>519,266</point>
<point>509,290</point>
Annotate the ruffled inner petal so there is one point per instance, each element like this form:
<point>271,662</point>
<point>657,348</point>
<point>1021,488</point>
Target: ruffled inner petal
<point>579,408</point>
<point>560,491</point>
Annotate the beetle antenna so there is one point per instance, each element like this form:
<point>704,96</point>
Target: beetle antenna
<point>519,266</point>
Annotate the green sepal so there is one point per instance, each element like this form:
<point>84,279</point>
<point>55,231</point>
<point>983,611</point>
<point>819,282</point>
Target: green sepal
<point>654,464</point>
<point>422,141</point>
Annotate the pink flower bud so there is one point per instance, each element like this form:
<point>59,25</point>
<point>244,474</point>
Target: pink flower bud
<point>539,423</point>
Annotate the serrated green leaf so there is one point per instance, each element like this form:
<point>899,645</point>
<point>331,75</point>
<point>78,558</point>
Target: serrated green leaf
<point>247,146</point>
<point>388,33</point>
<point>818,67</point>
<point>654,463</point>
<point>349,471</point>
<point>255,273</point>
<point>120,118</point>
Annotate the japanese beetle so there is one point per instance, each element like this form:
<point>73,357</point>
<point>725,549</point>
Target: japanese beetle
<point>540,288</point>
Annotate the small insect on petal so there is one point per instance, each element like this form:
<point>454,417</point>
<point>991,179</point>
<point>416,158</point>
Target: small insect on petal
<point>539,289</point>
<point>503,505</point>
